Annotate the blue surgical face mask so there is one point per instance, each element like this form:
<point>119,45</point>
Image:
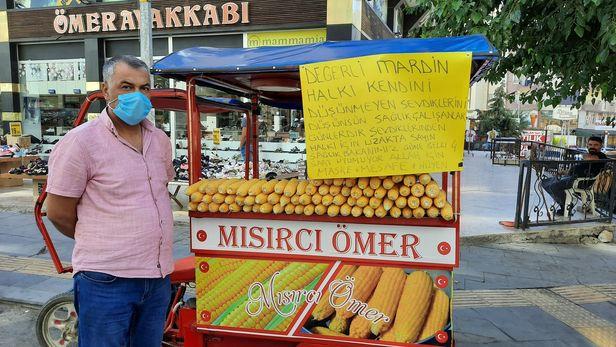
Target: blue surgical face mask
<point>132,108</point>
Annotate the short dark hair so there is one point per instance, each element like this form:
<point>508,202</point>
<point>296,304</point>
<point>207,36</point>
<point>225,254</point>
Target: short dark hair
<point>132,61</point>
<point>596,139</point>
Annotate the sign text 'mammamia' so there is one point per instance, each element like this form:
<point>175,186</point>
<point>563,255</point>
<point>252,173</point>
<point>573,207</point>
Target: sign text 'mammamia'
<point>169,17</point>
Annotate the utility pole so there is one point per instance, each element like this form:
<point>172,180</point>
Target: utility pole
<point>145,40</point>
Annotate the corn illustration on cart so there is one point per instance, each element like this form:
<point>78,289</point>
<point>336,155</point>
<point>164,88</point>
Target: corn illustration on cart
<point>365,259</point>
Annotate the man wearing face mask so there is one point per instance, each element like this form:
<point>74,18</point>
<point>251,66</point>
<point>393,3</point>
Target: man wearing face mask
<point>107,188</point>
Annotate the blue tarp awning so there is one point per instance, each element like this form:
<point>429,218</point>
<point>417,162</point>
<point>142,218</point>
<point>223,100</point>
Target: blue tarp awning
<point>233,69</point>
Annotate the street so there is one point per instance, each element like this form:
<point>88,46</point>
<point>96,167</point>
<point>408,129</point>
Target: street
<point>17,325</point>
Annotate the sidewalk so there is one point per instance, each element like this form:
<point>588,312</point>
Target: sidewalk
<point>506,294</point>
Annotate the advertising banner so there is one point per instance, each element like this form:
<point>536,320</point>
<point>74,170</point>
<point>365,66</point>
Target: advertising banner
<point>333,301</point>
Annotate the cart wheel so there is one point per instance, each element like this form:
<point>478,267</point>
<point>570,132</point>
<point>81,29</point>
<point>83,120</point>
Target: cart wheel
<point>56,325</point>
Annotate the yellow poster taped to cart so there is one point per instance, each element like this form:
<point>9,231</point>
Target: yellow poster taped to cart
<point>388,114</point>
<point>15,128</point>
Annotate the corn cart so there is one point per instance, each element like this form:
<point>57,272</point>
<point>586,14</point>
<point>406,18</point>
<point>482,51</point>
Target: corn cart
<point>362,252</point>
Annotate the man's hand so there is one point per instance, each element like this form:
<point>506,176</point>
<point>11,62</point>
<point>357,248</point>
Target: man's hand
<point>62,212</point>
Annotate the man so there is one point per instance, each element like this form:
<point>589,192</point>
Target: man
<point>243,136</point>
<point>556,186</point>
<point>107,189</point>
<point>470,138</point>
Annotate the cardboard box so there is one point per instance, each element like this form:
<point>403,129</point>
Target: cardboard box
<point>21,141</point>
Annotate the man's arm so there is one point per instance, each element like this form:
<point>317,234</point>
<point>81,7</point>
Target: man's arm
<point>243,137</point>
<point>62,212</point>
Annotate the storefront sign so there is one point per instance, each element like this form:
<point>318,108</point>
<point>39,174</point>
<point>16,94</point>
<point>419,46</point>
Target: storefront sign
<point>168,17</point>
<point>385,114</point>
<point>15,128</point>
<point>562,112</point>
<point>319,240</point>
<point>534,135</point>
<point>285,38</point>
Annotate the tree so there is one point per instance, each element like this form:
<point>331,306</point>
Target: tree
<point>506,122</point>
<point>566,47</point>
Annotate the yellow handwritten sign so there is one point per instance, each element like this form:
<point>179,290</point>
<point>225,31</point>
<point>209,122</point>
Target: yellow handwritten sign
<point>216,136</point>
<point>15,128</point>
<point>389,114</point>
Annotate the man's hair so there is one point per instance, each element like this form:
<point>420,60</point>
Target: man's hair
<point>596,139</point>
<point>134,62</point>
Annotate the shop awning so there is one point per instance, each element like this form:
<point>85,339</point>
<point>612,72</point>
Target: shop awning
<point>235,70</point>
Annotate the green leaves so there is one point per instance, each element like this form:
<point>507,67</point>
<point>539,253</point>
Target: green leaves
<point>572,42</point>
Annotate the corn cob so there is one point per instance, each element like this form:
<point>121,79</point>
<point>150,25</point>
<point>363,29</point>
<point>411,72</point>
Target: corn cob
<point>345,210</point>
<point>242,190</point>
<point>397,178</point>
<point>284,200</point>
<point>305,199</point>
<point>339,324</point>
<point>433,212</point>
<point>301,187</point>
<point>395,212</point>
<point>256,188</point>
<point>380,192</point>
<point>388,183</point>
<point>261,198</point>
<point>345,191</point>
<point>351,201</point>
<point>404,191</point>
<point>368,192</point>
<point>282,326</point>
<point>366,279</point>
<point>350,182</point>
<point>222,188</point>
<point>447,212</point>
<point>202,207</point>
<point>356,192</point>
<point>268,187</point>
<point>289,209</point>
<point>311,189</point>
<point>219,269</point>
<point>320,210</point>
<point>256,208</point>
<point>273,198</point>
<point>363,182</point>
<point>291,188</point>
<point>196,197</point>
<point>299,209</point>
<point>323,309</point>
<point>425,179</point>
<point>323,189</point>
<point>328,181</point>
<point>438,316</point>
<point>213,207</point>
<point>247,208</point>
<point>432,190</point>
<point>387,296</point>
<point>295,200</point>
<point>309,210</point>
<point>419,212</point>
<point>360,326</point>
<point>339,200</point>
<point>374,202</point>
<point>233,187</point>
<point>425,202</point>
<point>293,277</point>
<point>380,212</point>
<point>207,198</point>
<point>407,212</point>
<point>234,207</point>
<point>333,210</point>
<point>356,211</point>
<point>280,187</point>
<point>229,199</point>
<point>218,198</point>
<point>441,200</point>
<point>316,199</point>
<point>413,202</point>
<point>194,187</point>
<point>223,208</point>
<point>393,193</point>
<point>375,182</point>
<point>202,186</point>
<point>417,190</point>
<point>192,206</point>
<point>266,208</point>
<point>413,307</point>
<point>249,200</point>
<point>388,204</point>
<point>401,202</point>
<point>325,331</point>
<point>334,190</point>
<point>277,209</point>
<point>409,180</point>
<point>338,182</point>
<point>316,183</point>
<point>327,200</point>
<point>230,288</point>
<point>362,202</point>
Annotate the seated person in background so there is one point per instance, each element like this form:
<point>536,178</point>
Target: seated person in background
<point>556,186</point>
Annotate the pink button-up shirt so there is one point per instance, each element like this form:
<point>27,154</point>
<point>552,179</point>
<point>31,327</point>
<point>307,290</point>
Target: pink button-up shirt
<point>125,222</point>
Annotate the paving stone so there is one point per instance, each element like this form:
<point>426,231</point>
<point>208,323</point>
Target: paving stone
<point>605,310</point>
<point>19,280</point>
<point>56,285</point>
<point>470,327</point>
<point>26,295</point>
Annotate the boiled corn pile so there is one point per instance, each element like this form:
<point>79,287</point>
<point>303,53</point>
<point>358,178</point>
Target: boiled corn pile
<point>410,196</point>
<point>219,268</point>
<point>417,309</point>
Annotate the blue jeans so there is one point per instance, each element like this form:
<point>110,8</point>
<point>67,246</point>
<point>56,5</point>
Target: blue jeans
<point>244,154</point>
<point>116,311</point>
